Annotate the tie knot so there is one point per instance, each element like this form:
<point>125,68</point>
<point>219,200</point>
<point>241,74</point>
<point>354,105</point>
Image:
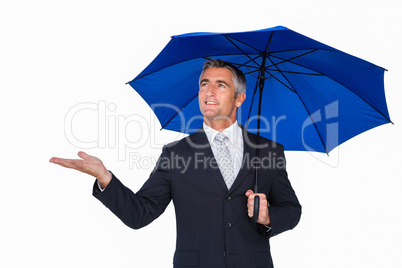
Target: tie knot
<point>220,138</point>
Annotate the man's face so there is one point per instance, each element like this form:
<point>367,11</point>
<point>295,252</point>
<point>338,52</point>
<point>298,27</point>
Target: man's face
<point>217,95</point>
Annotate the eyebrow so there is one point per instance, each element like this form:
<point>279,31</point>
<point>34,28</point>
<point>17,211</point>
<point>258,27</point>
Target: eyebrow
<point>217,81</point>
<point>204,80</point>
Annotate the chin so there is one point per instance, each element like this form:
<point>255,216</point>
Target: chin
<point>209,114</point>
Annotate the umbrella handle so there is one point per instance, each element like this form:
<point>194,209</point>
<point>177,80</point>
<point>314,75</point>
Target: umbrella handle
<point>256,208</point>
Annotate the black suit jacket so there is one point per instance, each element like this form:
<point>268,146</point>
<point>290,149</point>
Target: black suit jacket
<point>213,228</point>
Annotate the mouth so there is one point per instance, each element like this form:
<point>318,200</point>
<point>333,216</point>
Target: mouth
<point>211,103</point>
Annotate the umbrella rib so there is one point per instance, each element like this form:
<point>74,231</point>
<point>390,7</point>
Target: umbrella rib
<point>251,105</point>
<point>298,64</point>
<point>242,65</point>
<point>229,38</point>
<point>273,76</point>
<point>256,87</point>
<point>301,100</point>
<point>182,108</point>
<point>251,72</point>
<point>245,65</point>
<point>246,54</point>
<point>291,72</point>
<point>203,57</point>
<point>289,60</point>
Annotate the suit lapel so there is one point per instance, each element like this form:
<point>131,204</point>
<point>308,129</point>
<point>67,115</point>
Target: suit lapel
<point>198,142</point>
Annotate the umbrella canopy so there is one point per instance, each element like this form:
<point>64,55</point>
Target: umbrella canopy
<point>314,98</point>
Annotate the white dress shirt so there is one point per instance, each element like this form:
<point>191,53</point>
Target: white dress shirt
<point>234,144</point>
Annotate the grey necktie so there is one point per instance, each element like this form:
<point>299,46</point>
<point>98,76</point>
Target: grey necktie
<point>224,159</point>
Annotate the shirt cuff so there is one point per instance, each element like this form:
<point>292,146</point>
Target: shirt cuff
<point>100,186</point>
<point>268,228</point>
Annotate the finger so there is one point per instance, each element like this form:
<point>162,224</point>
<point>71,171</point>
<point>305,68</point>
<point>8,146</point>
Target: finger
<point>263,202</point>
<point>250,213</point>
<point>57,160</point>
<point>68,163</point>
<point>250,207</point>
<point>250,210</point>
<point>261,195</point>
<point>250,201</point>
<point>249,192</point>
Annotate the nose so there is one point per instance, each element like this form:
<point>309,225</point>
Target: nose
<point>210,91</point>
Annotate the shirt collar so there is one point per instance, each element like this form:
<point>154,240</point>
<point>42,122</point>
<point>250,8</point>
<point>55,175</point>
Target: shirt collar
<point>231,132</point>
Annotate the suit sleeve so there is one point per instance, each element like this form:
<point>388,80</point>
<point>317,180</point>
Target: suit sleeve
<point>137,210</point>
<point>284,208</point>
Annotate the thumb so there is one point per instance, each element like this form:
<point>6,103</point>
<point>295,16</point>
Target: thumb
<point>83,155</point>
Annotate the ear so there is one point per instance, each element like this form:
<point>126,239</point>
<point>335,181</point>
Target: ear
<point>240,99</point>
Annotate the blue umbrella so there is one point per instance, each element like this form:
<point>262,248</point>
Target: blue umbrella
<point>315,97</point>
<point>308,95</point>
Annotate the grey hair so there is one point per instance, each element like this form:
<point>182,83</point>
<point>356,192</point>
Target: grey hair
<point>239,80</point>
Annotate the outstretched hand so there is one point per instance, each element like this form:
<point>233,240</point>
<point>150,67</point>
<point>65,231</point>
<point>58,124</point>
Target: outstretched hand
<point>263,216</point>
<point>88,164</point>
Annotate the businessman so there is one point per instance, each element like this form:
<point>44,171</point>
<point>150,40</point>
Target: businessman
<point>212,193</point>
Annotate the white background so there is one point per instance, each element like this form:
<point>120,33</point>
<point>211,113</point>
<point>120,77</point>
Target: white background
<point>56,55</point>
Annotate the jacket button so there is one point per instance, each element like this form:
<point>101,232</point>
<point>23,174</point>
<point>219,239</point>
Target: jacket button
<point>228,225</point>
<point>228,197</point>
<point>225,254</point>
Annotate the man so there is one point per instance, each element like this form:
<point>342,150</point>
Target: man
<point>211,193</point>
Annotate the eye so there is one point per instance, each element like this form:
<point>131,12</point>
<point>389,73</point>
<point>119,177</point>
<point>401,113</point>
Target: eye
<point>222,85</point>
